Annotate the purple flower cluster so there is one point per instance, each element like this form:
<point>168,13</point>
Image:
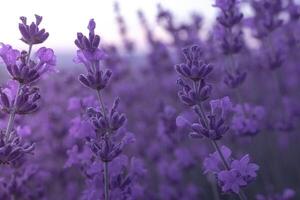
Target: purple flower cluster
<point>231,39</point>
<point>107,143</point>
<point>21,96</point>
<point>240,174</point>
<point>236,173</point>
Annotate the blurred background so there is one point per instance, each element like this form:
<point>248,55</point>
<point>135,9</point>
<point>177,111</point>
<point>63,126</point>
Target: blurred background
<point>64,19</point>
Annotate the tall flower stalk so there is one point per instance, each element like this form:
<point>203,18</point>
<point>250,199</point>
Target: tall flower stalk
<point>21,96</point>
<point>195,91</point>
<point>106,123</point>
<point>231,40</point>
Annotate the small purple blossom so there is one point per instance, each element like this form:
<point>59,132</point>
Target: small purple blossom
<point>231,181</point>
<point>89,51</point>
<point>13,148</point>
<point>8,54</point>
<point>247,119</point>
<point>194,68</point>
<point>213,163</point>
<point>32,34</point>
<point>244,168</point>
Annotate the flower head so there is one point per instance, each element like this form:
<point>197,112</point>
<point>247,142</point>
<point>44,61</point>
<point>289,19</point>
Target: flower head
<point>230,14</point>
<point>213,128</point>
<point>247,119</point>
<point>27,71</point>
<point>192,96</point>
<point>244,168</point>
<point>97,80</point>
<point>12,147</point>
<point>27,101</point>
<point>194,68</point>
<point>32,34</point>
<point>111,122</point>
<point>213,163</point>
<point>231,181</point>
<point>89,46</point>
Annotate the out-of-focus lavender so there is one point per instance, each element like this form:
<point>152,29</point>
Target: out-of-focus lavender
<point>214,117</point>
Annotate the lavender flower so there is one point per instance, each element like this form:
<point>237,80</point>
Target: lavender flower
<point>104,143</point>
<point>194,68</point>
<point>247,119</point>
<point>231,38</point>
<point>25,70</point>
<point>214,129</point>
<point>90,55</point>
<point>266,18</point>
<point>239,174</point>
<point>231,181</point>
<point>235,79</point>
<point>245,169</point>
<point>234,174</point>
<point>32,34</point>
<point>213,163</point>
<point>230,15</point>
<point>191,96</point>
<point>12,148</point>
<point>89,51</point>
<point>8,54</point>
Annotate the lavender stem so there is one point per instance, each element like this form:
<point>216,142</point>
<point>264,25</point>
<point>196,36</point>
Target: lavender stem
<point>12,115</point>
<point>106,179</point>
<point>105,164</point>
<point>29,52</point>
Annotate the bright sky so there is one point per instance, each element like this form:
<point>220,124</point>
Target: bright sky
<point>64,18</point>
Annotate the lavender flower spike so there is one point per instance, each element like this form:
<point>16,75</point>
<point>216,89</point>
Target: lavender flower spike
<point>103,144</point>
<point>32,34</point>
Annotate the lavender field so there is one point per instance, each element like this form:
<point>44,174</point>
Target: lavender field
<point>200,113</point>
